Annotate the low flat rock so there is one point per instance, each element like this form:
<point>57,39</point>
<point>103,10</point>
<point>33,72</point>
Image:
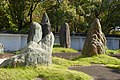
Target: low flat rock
<point>99,72</point>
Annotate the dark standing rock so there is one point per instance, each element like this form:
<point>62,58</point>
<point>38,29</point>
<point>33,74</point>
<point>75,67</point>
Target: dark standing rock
<point>35,33</point>
<point>64,34</point>
<point>46,26</point>
<point>95,42</point>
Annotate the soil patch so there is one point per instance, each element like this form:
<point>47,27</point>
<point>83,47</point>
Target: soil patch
<point>99,72</point>
<point>6,55</point>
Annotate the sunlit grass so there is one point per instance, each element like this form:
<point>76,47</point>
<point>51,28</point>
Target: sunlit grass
<point>59,49</point>
<point>100,59</point>
<point>52,72</point>
<point>113,51</point>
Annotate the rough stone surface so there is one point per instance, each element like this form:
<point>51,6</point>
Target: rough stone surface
<point>37,52</point>
<point>46,26</point>
<point>1,48</point>
<point>47,42</point>
<point>35,33</point>
<point>95,42</point>
<point>31,55</point>
<point>64,36</point>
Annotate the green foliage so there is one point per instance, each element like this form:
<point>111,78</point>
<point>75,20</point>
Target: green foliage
<point>5,19</point>
<point>16,15</point>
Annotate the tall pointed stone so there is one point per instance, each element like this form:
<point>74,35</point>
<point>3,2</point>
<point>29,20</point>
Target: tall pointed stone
<point>64,35</point>
<point>46,26</point>
<point>95,42</point>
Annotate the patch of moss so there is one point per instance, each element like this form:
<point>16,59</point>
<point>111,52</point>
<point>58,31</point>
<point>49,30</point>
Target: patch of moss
<point>61,50</point>
<point>61,74</point>
<point>67,63</point>
<point>100,59</point>
<point>48,73</point>
<point>113,66</point>
<point>113,51</point>
<point>17,74</point>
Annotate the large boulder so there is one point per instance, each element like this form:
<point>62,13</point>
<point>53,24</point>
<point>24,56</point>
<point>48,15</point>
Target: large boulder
<point>64,35</point>
<point>31,55</point>
<point>46,26</point>
<point>95,42</point>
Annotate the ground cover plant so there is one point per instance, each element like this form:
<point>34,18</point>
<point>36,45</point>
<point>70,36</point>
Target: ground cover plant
<point>52,72</point>
<point>59,69</point>
<point>113,51</point>
<point>99,59</point>
<point>59,49</point>
<point>113,66</point>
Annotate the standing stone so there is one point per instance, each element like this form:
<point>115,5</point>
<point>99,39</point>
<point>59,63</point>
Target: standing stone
<point>46,26</point>
<point>1,48</point>
<point>35,33</point>
<point>64,36</point>
<point>95,42</point>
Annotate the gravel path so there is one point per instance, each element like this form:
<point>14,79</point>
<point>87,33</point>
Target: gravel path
<point>99,72</point>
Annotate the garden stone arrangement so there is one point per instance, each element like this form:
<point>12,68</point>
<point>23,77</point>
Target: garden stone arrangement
<point>38,50</point>
<point>64,34</point>
<point>95,42</point>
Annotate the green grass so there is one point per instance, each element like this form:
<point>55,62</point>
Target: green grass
<point>67,63</point>
<point>61,74</point>
<point>17,74</point>
<point>113,66</point>
<point>59,49</point>
<point>48,73</point>
<point>100,59</point>
<point>58,70</point>
<point>113,51</point>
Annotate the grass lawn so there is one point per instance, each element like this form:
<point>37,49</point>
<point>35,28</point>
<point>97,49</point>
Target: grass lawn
<point>52,72</point>
<point>113,51</point>
<point>59,69</point>
<point>100,59</point>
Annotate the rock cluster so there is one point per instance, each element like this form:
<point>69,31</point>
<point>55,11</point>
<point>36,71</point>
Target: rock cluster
<point>95,42</point>
<point>37,52</point>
